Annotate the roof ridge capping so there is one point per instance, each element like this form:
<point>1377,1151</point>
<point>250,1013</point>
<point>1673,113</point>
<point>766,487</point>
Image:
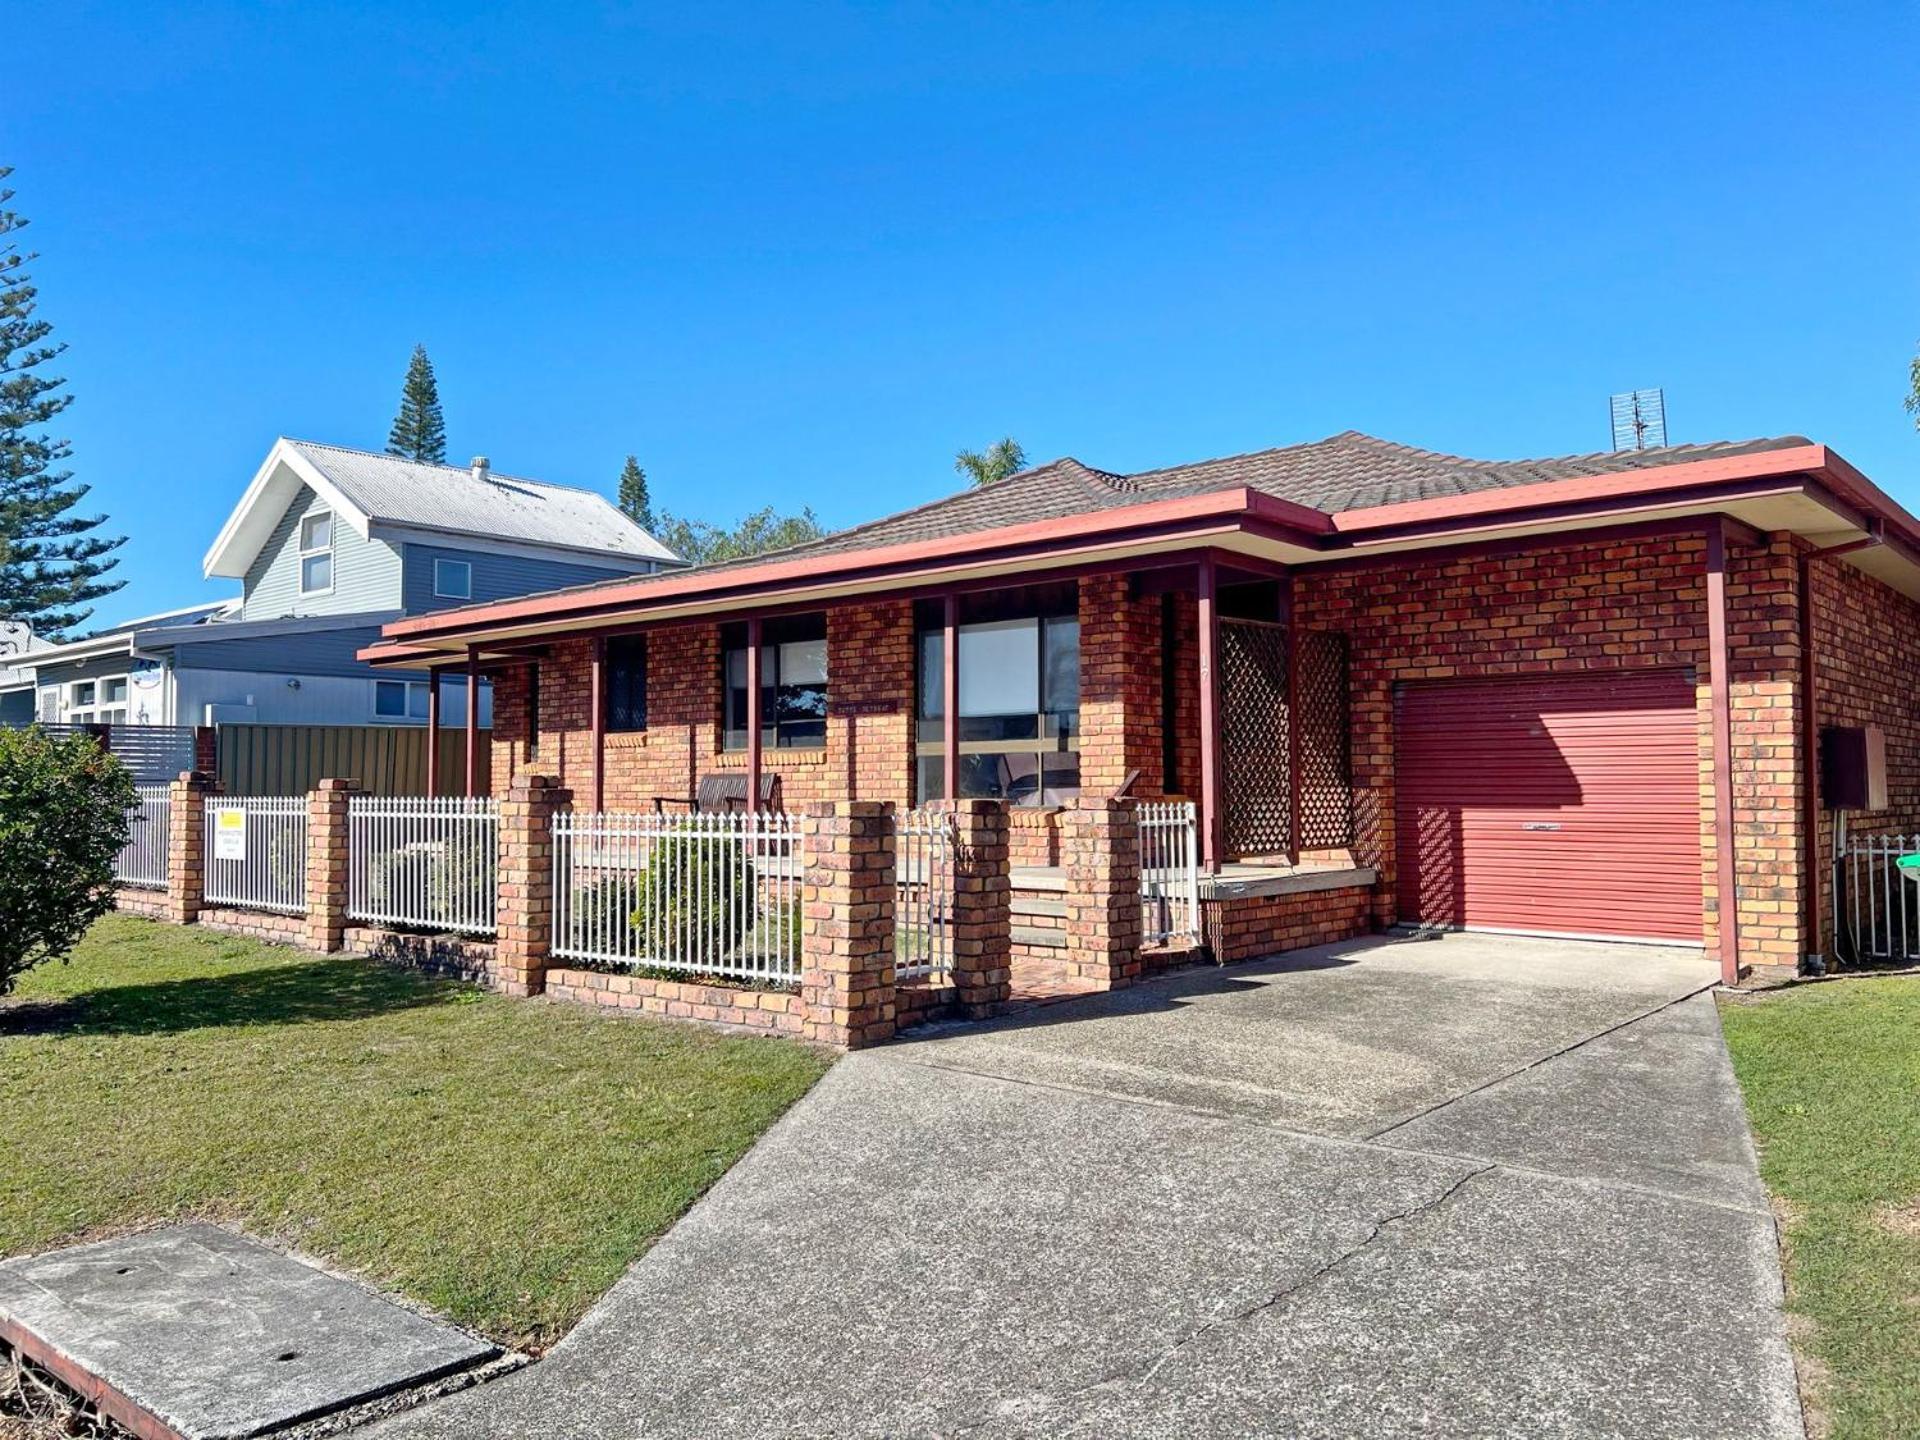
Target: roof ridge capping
<point>467,470</point>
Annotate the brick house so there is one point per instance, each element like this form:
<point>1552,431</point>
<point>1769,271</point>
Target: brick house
<point>1568,696</point>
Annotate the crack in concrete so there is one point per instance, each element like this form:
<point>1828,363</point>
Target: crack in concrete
<point>1147,1367</point>
<point>1536,1063</point>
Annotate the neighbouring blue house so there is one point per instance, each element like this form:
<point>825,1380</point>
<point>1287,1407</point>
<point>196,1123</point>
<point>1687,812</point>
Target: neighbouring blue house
<point>329,544</point>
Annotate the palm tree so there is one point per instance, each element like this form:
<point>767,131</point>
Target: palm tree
<point>1002,458</point>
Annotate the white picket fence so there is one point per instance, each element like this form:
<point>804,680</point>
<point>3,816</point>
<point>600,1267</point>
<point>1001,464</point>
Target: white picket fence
<point>426,861</point>
<point>256,856</point>
<point>143,862</point>
<point>1882,908</point>
<point>694,894</point>
<point>925,841</point>
<point>1169,872</point>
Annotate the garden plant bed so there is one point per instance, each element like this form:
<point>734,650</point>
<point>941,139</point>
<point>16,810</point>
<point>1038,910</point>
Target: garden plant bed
<point>500,1163</point>
<point>1830,1074</point>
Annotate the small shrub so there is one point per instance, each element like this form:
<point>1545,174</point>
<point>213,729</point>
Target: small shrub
<point>695,898</point>
<point>63,822</point>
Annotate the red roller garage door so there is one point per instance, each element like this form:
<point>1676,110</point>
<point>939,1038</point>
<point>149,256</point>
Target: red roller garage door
<point>1561,806</point>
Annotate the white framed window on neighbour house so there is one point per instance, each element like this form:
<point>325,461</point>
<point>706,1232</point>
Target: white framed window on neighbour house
<point>399,700</point>
<point>316,553</point>
<point>452,580</point>
<point>97,702</point>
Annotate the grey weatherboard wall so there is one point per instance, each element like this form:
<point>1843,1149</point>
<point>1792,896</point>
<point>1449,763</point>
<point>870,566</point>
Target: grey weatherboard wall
<point>366,573</point>
<point>496,576</point>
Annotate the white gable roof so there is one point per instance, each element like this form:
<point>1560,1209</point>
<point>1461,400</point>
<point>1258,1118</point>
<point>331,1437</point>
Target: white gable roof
<point>366,489</point>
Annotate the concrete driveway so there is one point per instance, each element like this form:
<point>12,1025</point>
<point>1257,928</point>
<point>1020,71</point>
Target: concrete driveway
<point>1474,1186</point>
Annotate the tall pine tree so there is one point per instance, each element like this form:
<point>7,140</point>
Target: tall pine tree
<point>418,431</point>
<point>635,503</point>
<point>52,564</point>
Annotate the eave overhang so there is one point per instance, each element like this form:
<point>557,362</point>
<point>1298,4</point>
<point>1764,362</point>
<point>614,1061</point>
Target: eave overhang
<point>1807,490</point>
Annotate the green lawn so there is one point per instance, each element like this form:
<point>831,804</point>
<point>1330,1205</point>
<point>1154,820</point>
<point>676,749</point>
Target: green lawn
<point>1832,1079</point>
<point>502,1161</point>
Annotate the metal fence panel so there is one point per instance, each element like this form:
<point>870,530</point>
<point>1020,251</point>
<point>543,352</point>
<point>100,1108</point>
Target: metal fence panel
<point>1169,872</point>
<point>1882,906</point>
<point>413,860</point>
<point>695,894</point>
<point>385,759</point>
<point>264,864</point>
<point>923,895</point>
<point>149,819</point>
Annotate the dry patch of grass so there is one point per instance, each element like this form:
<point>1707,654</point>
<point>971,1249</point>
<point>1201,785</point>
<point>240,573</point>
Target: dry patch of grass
<point>501,1161</point>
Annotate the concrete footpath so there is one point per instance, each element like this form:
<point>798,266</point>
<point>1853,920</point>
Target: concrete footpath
<point>1465,1187</point>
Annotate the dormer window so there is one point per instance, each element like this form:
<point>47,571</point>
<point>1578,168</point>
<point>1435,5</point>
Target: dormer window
<point>316,553</point>
<point>452,580</point>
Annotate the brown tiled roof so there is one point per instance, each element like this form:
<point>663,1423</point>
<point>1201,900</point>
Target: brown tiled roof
<point>1348,471</point>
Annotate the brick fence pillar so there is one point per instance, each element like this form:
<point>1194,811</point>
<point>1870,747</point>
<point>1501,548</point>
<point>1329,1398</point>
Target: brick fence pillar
<point>846,985</point>
<point>1100,846</point>
<point>187,846</point>
<point>980,920</point>
<point>206,749</point>
<point>524,917</point>
<point>326,926</point>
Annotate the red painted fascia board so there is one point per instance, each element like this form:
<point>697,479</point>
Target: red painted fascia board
<point>1124,523</point>
<point>1618,485</point>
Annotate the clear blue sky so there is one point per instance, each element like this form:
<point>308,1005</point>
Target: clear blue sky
<point>799,255</point>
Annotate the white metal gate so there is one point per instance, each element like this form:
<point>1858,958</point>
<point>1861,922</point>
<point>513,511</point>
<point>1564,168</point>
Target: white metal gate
<point>1882,908</point>
<point>923,895</point>
<point>1169,872</point>
<point>144,860</point>
<point>256,855</point>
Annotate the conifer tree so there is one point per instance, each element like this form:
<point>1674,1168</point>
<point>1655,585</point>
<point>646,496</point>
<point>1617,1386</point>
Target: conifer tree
<point>419,432</point>
<point>635,503</point>
<point>53,564</point>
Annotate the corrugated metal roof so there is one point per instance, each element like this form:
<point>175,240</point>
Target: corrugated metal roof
<point>500,507</point>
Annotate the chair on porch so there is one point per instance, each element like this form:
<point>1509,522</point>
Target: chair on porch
<point>723,793</point>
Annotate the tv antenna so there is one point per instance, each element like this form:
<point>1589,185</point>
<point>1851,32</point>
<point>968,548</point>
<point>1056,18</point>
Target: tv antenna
<point>1639,419</point>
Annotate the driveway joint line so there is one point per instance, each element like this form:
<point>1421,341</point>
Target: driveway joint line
<point>1310,1137</point>
<point>1535,1064</point>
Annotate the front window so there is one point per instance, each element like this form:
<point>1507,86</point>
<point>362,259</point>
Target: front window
<point>625,669</point>
<point>793,683</point>
<point>98,702</point>
<point>452,580</point>
<point>1019,699</point>
<point>316,553</point>
<point>399,700</point>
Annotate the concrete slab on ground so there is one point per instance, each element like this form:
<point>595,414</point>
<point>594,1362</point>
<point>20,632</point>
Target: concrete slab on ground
<point>1343,1039</point>
<point>215,1335</point>
<point>1024,1231</point>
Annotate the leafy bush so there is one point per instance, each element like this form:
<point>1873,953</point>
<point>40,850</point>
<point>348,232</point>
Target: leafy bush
<point>696,896</point>
<point>454,877</point>
<point>63,822</point>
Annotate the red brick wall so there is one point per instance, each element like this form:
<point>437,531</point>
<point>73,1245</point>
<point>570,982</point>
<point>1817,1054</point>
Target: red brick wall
<point>1867,672</point>
<point>1248,927</point>
<point>761,1012</point>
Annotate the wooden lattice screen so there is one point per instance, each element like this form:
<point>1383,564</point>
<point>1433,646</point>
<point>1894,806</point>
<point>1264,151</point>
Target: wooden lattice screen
<point>1326,742</point>
<point>1253,726</point>
<point>1254,720</point>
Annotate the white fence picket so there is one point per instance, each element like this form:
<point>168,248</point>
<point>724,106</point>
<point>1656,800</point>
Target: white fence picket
<point>1881,903</point>
<point>1169,872</point>
<point>272,874</point>
<point>427,861</point>
<point>697,894</point>
<point>149,819</point>
<point>923,895</point>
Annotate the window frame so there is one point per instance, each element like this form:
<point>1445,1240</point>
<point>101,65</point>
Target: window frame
<point>314,552</point>
<point>466,566</point>
<point>407,689</point>
<point>610,667</point>
<point>1056,727</point>
<point>776,636</point>
<point>99,708</point>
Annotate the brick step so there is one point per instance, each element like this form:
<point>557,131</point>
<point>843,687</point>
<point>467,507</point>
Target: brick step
<point>1039,937</point>
<point>1033,905</point>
